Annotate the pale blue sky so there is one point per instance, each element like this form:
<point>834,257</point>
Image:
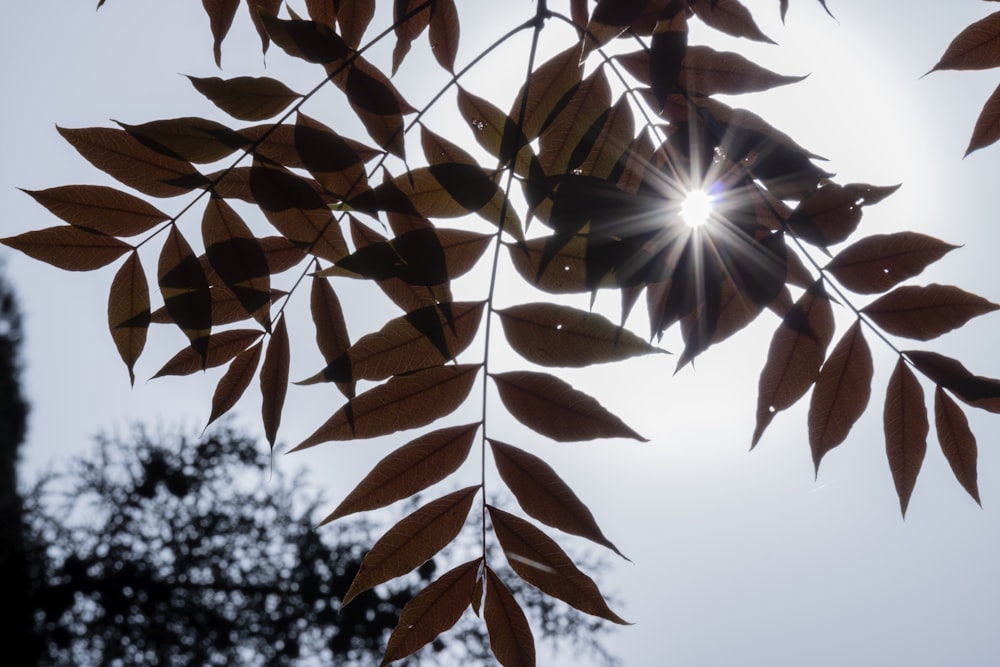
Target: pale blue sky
<point>739,558</point>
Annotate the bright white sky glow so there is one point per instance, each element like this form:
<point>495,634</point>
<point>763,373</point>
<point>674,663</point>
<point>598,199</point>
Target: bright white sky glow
<point>696,209</point>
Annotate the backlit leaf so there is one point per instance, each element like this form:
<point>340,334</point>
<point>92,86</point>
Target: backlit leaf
<point>311,41</point>
<point>610,18</point>
<point>565,272</point>
<point>906,427</point>
<point>322,11</point>
<point>976,47</point>
<point>510,635</point>
<point>877,263</point>
<point>294,206</point>
<point>126,159</point>
<point>274,380</point>
<point>194,139</point>
<point>410,18</point>
<point>128,311</point>
<point>957,441</point>
<point>495,131</point>
<point>667,52</point>
<point>409,470</point>
<point>246,97</point>
<point>420,339</point>
<point>220,16</point>
<point>404,402</point>
<point>332,337</point>
<point>333,161</point>
<point>236,256</point>
<point>234,382</point>
<point>444,33</point>
<point>987,129</point>
<point>100,208</point>
<point>841,393</point>
<point>569,123</point>
<point>354,17</point>
<point>794,357</point>
<point>185,291</point>
<point>976,390</point>
<point>832,213</point>
<point>556,335</point>
<point>706,71</point>
<point>258,7</point>
<point>925,312</point>
<point>69,248</point>
<point>544,495</point>
<point>222,346</point>
<point>537,559</point>
<point>413,540</point>
<point>433,610</point>
<point>730,17</point>
<point>549,405</point>
<point>377,103</point>
<point>549,83</point>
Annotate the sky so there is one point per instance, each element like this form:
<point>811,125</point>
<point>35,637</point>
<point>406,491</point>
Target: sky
<point>737,557</point>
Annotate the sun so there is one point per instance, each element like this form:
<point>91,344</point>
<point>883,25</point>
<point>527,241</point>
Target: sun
<point>696,209</point>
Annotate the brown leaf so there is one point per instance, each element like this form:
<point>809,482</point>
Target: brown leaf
<point>409,470</point>
<point>126,159</point>
<point>439,150</point>
<point>565,271</point>
<point>905,418</point>
<point>194,139</point>
<point>333,161</point>
<point>832,213</point>
<point>976,47</point>
<point>274,380</point>
<point>537,559</point>
<point>236,256</point>
<point>957,442</point>
<point>730,17</point>
<point>233,384</point>
<point>925,312</point>
<point>185,291</point>
<point>552,407</point>
<point>987,129</point>
<point>308,40</point>
<point>409,19</point>
<point>354,17</point>
<point>420,339</point>
<point>100,208</point>
<point>323,12</point>
<point>220,17</point>
<point>128,311</point>
<point>877,263</point>
<point>258,7</point>
<point>444,33</point>
<point>510,634</point>
<point>706,71</point>
<point>221,347</point>
<point>495,131</point>
<point>976,390</point>
<point>68,247</point>
<point>554,78</point>
<point>841,394</point>
<point>404,402</point>
<point>544,495</point>
<point>555,335</point>
<point>332,337</point>
<point>246,97</point>
<point>433,610</point>
<point>376,101</point>
<point>609,19</point>
<point>413,540</point>
<point>794,357</point>
<point>566,129</point>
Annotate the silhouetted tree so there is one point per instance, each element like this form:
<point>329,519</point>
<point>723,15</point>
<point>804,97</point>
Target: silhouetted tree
<point>13,423</point>
<point>178,551</point>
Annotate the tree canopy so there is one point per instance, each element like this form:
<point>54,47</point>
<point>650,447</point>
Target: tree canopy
<point>600,148</point>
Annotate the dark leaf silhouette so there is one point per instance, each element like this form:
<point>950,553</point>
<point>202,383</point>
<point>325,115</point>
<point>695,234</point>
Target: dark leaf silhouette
<point>510,635</point>
<point>797,350</point>
<point>233,384</point>
<point>976,47</point>
<point>877,263</point>
<point>332,337</point>
<point>69,248</point>
<point>544,495</point>
<point>220,15</point>
<point>426,257</point>
<point>841,395</point>
<point>832,213</point>
<point>906,427</point>
<point>185,291</point>
<point>444,33</point>
<point>126,159</point>
<point>314,42</point>
<point>128,311</point>
<point>404,402</point>
<point>537,559</point>
<point>957,441</point>
<point>552,407</point>
<point>274,380</point>
<point>100,208</point>
<point>246,97</point>
<point>987,129</point>
<point>413,540</point>
<point>706,71</point>
<point>193,139</point>
<point>730,17</point>
<point>409,470</point>
<point>926,312</point>
<point>221,347</point>
<point>432,611</point>
<point>553,335</point>
<point>982,392</point>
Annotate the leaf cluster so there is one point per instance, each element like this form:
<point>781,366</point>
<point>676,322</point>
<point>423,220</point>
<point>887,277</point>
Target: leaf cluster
<point>581,189</point>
